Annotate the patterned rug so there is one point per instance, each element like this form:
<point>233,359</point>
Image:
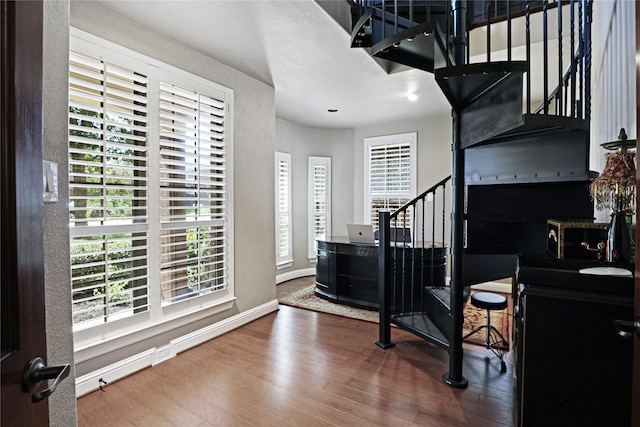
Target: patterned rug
<point>473,317</point>
<point>305,298</point>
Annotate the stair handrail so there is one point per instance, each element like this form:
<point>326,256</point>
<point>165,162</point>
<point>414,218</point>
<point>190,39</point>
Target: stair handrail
<point>420,197</point>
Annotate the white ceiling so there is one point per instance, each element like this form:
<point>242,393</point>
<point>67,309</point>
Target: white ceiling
<point>299,49</point>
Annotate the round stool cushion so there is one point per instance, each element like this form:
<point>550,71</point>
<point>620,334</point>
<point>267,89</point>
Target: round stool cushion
<point>488,301</point>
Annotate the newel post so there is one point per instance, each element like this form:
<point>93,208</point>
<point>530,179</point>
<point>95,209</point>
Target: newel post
<point>384,280</point>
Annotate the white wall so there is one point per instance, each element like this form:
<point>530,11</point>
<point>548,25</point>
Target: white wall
<point>434,153</point>
<point>613,79</point>
<point>346,149</point>
<point>301,142</point>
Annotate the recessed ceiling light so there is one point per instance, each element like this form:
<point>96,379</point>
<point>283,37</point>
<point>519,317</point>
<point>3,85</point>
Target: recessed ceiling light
<point>413,96</point>
<point>332,110</point>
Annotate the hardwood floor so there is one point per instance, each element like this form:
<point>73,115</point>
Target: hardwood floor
<point>302,368</point>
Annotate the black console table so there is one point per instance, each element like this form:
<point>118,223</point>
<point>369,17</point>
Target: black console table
<point>347,273</point>
<point>573,358</point>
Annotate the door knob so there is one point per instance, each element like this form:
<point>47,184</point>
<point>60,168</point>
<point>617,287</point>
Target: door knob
<point>625,328</point>
<point>36,371</point>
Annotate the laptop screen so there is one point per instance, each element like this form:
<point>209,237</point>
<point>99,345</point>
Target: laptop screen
<point>360,233</point>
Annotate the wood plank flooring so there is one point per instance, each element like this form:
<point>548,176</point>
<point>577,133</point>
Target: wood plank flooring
<point>302,368</point>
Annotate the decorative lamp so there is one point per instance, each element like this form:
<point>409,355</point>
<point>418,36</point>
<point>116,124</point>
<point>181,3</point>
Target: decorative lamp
<point>615,189</point>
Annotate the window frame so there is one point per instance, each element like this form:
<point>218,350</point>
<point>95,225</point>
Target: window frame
<point>159,318</point>
<point>312,237</point>
<point>409,139</point>
<point>283,260</point>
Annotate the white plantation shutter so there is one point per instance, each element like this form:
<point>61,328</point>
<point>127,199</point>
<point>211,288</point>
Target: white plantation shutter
<point>319,201</point>
<point>193,193</point>
<point>284,237</point>
<point>390,173</point>
<point>108,190</point>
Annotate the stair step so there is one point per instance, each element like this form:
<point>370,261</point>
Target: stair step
<point>414,47</point>
<point>539,124</point>
<point>361,33</point>
<point>437,307</point>
<point>375,25</point>
<point>530,155</point>
<point>419,324</point>
<point>465,84</point>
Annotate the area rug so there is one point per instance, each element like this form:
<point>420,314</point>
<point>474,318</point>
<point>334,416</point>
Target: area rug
<point>473,317</point>
<point>306,298</point>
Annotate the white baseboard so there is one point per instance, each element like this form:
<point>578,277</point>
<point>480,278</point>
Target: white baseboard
<point>91,381</point>
<point>296,274</point>
<point>195,338</point>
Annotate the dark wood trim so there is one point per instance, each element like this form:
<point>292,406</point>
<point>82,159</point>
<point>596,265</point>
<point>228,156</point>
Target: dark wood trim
<point>22,249</point>
<point>635,391</point>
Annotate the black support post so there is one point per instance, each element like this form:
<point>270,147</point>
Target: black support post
<point>454,377</point>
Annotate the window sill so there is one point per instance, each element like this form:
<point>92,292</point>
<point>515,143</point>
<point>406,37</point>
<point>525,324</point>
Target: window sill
<point>284,265</point>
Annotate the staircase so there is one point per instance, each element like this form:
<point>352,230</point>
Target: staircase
<point>521,108</point>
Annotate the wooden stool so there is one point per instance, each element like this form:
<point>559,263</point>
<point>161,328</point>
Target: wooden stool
<point>490,301</point>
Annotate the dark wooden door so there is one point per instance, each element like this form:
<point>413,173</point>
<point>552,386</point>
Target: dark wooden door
<point>22,253</point>
<point>635,393</point>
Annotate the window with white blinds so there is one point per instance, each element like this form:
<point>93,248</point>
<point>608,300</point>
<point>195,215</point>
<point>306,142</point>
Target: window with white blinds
<point>192,193</point>
<point>149,179</point>
<point>319,193</point>
<point>389,173</point>
<point>284,235</point>
<point>108,190</point>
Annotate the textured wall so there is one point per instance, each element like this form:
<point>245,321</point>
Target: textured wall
<point>62,403</point>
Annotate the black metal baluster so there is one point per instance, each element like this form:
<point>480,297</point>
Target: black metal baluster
<point>566,94</point>
<point>587,71</point>
<point>528,53</point>
<point>411,13</point>
<point>489,31</point>
<point>562,111</point>
<point>581,63</point>
<point>508,31</point>
<point>449,10</point>
<point>384,19</point>
<point>444,214</point>
<point>545,58</point>
<point>395,16</point>
<point>424,209</point>
<point>433,232</point>
<point>573,58</point>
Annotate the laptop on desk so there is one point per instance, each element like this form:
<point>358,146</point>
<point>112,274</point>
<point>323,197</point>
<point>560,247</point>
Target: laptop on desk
<point>361,233</point>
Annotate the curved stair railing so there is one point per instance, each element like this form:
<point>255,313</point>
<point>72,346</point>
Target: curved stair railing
<point>493,62</point>
<point>413,267</point>
<point>419,34</point>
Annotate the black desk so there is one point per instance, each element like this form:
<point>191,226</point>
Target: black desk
<point>347,273</point>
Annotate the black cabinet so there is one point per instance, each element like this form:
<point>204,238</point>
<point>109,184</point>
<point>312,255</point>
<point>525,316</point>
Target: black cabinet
<point>573,366</point>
